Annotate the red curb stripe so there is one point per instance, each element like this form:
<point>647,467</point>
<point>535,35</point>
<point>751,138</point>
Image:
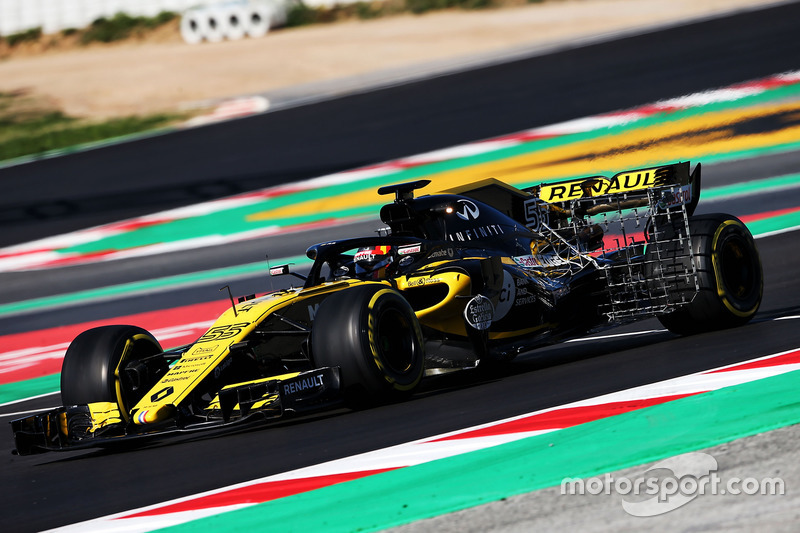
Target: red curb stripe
<point>769,214</point>
<point>75,258</point>
<point>563,418</point>
<point>23,253</point>
<point>259,493</point>
<point>525,136</point>
<point>785,359</point>
<point>52,337</point>
<point>82,257</point>
<point>137,224</point>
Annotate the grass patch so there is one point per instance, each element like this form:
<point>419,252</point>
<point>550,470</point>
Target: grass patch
<point>302,15</point>
<point>34,34</point>
<point>122,26</point>
<point>29,126</point>
<point>423,6</point>
<point>105,30</point>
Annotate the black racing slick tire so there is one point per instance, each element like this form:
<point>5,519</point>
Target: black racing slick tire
<point>91,371</point>
<point>372,334</point>
<point>729,276</point>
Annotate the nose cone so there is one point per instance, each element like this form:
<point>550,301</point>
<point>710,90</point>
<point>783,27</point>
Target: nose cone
<point>153,416</point>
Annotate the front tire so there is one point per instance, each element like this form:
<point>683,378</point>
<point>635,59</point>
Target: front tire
<point>729,276</point>
<point>92,367</point>
<point>373,335</point>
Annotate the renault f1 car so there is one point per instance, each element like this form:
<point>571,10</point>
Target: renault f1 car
<point>461,279</point>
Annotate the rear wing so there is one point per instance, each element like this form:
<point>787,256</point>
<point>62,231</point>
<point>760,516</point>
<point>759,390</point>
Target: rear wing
<point>589,195</point>
<point>628,189</point>
<point>634,227</point>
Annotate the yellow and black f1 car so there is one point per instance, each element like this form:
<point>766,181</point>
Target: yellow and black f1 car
<point>461,279</point>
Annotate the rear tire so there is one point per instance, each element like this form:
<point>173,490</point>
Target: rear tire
<point>373,335</point>
<point>729,275</point>
<point>94,360</point>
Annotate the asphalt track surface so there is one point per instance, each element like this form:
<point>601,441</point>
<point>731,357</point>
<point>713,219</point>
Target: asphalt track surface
<point>41,492</point>
<point>86,189</point>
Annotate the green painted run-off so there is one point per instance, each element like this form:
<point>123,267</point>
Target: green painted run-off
<point>446,485</point>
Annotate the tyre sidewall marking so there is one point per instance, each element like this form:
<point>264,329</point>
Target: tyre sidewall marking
<point>372,335</point>
<point>715,260</point>
<point>129,343</point>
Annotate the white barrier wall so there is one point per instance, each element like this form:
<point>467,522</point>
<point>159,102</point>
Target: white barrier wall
<point>56,15</point>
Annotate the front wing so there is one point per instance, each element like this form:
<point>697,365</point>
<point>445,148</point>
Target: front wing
<point>102,424</point>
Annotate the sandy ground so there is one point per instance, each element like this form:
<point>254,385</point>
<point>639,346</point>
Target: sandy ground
<point>146,77</point>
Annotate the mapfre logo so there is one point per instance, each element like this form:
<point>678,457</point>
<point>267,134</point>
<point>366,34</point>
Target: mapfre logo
<point>468,210</point>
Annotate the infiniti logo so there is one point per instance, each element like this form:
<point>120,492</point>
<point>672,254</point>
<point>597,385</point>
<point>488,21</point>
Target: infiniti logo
<point>469,212</point>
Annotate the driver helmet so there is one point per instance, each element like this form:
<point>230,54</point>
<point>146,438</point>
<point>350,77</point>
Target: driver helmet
<point>372,262</point>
